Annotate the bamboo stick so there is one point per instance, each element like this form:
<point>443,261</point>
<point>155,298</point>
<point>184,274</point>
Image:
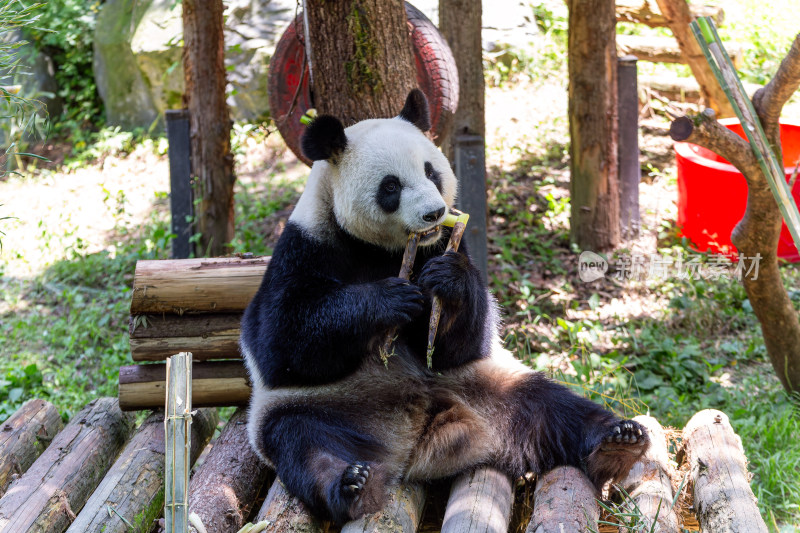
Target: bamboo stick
<point>178,422</point>
<point>409,255</point>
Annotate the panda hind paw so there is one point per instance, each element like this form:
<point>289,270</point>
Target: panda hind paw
<point>627,434</point>
<point>354,479</point>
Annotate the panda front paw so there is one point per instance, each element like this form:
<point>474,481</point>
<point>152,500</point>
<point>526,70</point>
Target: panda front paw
<point>400,301</point>
<point>447,276</point>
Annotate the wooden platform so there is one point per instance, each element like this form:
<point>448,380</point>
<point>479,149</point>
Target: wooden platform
<point>100,474</point>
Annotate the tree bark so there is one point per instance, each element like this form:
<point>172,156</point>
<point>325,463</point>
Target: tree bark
<point>679,16</point>
<point>23,438</point>
<point>756,235</point>
<point>214,384</point>
<point>225,486</point>
<point>210,124</point>
<point>362,65</point>
<point>564,500</point>
<point>594,183</point>
<point>286,514</point>
<point>402,514</point>
<point>649,485</point>
<point>722,496</point>
<point>131,495</point>
<point>196,285</point>
<point>480,501</point>
<point>53,490</point>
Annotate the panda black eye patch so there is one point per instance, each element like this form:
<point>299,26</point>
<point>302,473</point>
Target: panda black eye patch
<point>388,196</point>
<point>432,175</point>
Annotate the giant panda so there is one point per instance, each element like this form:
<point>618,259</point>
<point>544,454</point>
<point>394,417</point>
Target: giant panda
<point>338,424</point>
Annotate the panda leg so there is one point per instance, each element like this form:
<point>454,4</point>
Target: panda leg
<point>336,470</point>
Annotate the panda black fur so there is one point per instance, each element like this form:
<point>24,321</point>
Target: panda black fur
<point>339,426</point>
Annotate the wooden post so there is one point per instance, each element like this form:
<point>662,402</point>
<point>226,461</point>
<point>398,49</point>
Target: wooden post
<point>286,514</point>
<point>225,486</point>
<point>178,424</point>
<point>722,495</point>
<point>648,483</point>
<point>23,438</point>
<point>53,490</point>
<point>479,501</point>
<point>594,180</point>
<point>212,160</point>
<point>131,495</point>
<point>180,178</point>
<point>470,169</point>
<point>402,514</point>
<point>564,500</point>
<point>630,172</point>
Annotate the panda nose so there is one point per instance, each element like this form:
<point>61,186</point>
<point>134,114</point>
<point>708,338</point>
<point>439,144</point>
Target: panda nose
<point>433,215</point>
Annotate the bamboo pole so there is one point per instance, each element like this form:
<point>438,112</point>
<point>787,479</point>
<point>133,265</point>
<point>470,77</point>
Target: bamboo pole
<point>178,423</point>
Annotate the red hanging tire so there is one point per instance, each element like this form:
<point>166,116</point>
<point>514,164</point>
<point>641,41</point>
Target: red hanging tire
<point>290,97</point>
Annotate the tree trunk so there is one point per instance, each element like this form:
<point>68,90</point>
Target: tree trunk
<point>756,235</point>
<point>460,23</point>
<point>227,483</point>
<point>564,500</point>
<point>594,183</point>
<point>210,124</point>
<point>679,16</point>
<point>362,65</point>
<point>722,496</point>
<point>49,495</point>
<point>480,502</point>
<point>23,438</point>
<point>649,485</point>
<point>132,493</point>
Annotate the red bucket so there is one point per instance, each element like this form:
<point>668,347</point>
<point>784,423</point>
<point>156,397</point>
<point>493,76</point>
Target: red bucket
<point>712,194</point>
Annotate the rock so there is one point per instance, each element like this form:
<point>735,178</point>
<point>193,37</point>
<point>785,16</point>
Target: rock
<point>138,57</point>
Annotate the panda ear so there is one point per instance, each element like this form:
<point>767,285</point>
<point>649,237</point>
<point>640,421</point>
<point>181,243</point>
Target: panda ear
<point>416,110</point>
<point>324,138</point>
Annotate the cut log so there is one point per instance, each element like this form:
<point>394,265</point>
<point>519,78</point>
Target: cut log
<point>647,12</point>
<point>402,513</point>
<point>663,49</point>
<point>23,438</point>
<point>648,483</point>
<point>131,495</point>
<point>287,514</point>
<point>214,384</point>
<point>206,336</point>
<point>479,501</point>
<point>723,499</point>
<point>225,486</point>
<point>205,285</point>
<point>564,500</point>
<point>672,87</point>
<point>47,497</point>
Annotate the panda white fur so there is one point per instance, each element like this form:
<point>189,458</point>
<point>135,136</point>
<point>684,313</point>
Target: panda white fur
<point>339,426</point>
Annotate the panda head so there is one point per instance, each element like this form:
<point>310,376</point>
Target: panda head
<point>382,178</point>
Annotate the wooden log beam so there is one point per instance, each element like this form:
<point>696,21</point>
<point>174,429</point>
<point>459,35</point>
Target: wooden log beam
<point>564,500</point>
<point>402,514</point>
<point>214,384</point>
<point>480,501</point>
<point>46,498</point>
<point>664,49</point>
<point>131,495</point>
<point>722,495</point>
<point>206,336</point>
<point>648,483</point>
<point>647,12</point>
<point>179,286</point>
<point>225,486</point>
<point>286,514</point>
<point>23,438</point>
